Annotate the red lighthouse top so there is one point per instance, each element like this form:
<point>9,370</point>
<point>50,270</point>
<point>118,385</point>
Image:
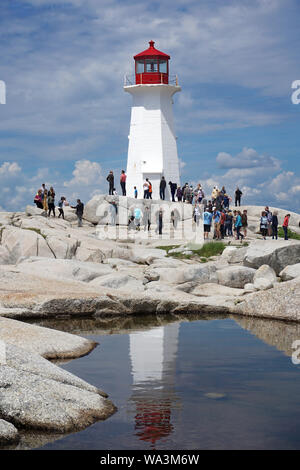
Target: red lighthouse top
<point>151,66</point>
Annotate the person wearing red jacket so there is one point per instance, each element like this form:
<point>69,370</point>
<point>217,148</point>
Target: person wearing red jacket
<point>285,226</point>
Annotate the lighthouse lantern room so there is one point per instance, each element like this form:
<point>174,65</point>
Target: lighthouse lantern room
<point>152,148</point>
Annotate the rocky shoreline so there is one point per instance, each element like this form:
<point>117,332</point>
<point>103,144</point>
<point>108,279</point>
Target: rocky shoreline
<point>50,268</point>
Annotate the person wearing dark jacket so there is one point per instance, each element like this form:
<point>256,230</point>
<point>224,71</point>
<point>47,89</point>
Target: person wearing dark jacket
<point>79,211</point>
<point>274,225</point>
<point>173,187</point>
<point>238,194</point>
<point>162,188</point>
<point>110,178</point>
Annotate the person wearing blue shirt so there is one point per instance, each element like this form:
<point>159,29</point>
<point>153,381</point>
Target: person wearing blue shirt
<point>207,218</point>
<point>238,224</point>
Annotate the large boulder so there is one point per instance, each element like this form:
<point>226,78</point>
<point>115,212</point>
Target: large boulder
<point>64,269</point>
<point>290,272</point>
<point>264,277</point>
<point>282,302</point>
<point>276,253</point>
<point>235,276</point>
<point>117,281</point>
<point>36,394</point>
<point>49,343</point>
<point>24,243</point>
<point>34,210</point>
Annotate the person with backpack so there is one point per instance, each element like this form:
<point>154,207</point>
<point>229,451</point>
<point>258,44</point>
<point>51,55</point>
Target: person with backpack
<point>274,225</point>
<point>285,225</point>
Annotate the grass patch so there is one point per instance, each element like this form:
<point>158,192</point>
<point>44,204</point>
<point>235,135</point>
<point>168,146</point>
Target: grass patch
<point>202,254</point>
<point>167,247</point>
<point>291,234</point>
<point>210,249</point>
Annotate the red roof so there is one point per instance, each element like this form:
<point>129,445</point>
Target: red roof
<point>151,51</point>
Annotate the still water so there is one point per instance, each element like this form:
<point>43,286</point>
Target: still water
<point>178,383</point>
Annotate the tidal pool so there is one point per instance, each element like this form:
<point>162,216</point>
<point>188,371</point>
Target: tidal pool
<point>189,383</point>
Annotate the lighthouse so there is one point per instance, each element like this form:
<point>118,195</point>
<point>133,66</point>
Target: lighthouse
<point>152,147</point>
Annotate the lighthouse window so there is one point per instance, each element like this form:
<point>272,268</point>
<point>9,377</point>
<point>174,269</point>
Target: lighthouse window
<point>163,66</point>
<point>140,66</point>
<point>151,65</point>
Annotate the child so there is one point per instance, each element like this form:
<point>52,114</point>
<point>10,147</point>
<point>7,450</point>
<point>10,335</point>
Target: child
<point>60,207</point>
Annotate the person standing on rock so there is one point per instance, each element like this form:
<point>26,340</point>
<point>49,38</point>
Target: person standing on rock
<point>79,211</point>
<point>51,204</point>
<point>146,189</point>
<point>216,219</point>
<point>135,191</point>
<point>162,188</point>
<point>238,225</point>
<point>45,200</point>
<point>173,187</point>
<point>179,194</point>
<point>159,219</point>
<point>61,207</point>
<point>274,225</point>
<point>147,218</point>
<point>150,189</point>
<point>238,194</point>
<point>123,182</point>
<point>264,224</point>
<point>245,222</point>
<point>285,225</point>
<point>207,219</point>
<point>111,182</point>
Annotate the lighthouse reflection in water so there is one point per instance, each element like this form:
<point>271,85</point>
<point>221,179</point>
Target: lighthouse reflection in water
<point>153,362</point>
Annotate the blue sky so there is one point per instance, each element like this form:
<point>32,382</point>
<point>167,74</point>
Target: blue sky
<point>66,117</point>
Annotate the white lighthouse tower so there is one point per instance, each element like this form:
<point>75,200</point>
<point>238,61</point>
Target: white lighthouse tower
<point>152,148</point>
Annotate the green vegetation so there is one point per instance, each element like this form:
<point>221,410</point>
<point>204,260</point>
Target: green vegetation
<point>201,254</point>
<point>291,234</point>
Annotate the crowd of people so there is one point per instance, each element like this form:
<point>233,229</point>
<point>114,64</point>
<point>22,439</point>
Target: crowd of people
<point>218,218</point>
<point>45,199</point>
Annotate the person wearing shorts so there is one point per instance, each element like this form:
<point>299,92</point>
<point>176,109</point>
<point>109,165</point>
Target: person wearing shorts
<point>207,218</point>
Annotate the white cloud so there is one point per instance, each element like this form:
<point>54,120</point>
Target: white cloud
<point>247,158</point>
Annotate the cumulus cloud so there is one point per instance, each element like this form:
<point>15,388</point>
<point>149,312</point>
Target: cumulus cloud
<point>263,183</point>
<point>247,158</point>
<point>18,188</point>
